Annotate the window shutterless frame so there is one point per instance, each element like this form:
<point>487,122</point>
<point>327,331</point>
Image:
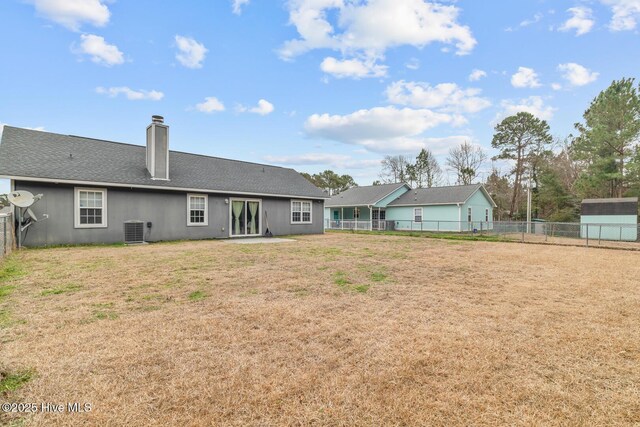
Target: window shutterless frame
<point>417,214</point>
<point>198,211</point>
<point>89,207</point>
<point>301,212</point>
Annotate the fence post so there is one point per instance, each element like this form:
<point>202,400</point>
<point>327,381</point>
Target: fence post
<point>587,235</point>
<point>546,232</point>
<point>600,234</point>
<point>523,228</point>
<point>438,226</point>
<point>621,233</point>
<point>4,236</point>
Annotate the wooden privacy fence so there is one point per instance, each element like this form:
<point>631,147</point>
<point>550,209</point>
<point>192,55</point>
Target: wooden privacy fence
<point>7,240</point>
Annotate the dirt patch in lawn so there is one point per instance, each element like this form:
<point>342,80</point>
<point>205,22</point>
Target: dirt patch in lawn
<point>328,330</point>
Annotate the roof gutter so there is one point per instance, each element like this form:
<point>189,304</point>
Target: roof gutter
<point>157,187</point>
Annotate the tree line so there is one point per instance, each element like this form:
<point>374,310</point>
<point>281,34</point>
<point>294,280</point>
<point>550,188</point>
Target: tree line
<point>601,160</point>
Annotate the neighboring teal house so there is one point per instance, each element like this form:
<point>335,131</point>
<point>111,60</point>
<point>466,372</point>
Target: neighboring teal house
<point>609,219</point>
<point>398,207</point>
<point>362,208</point>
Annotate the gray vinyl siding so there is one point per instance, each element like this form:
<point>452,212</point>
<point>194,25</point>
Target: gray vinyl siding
<point>166,210</point>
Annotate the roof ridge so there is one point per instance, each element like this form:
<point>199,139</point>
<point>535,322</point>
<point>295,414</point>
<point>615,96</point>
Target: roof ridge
<point>142,146</point>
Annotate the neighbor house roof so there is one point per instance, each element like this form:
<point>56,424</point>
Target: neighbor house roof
<point>43,156</point>
<point>440,195</point>
<point>363,196</point>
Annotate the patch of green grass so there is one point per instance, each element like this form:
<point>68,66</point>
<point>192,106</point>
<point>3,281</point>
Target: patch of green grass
<point>197,296</point>
<point>340,278</point>
<point>102,315</point>
<point>79,245</point>
<point>10,382</point>
<point>378,277</point>
<point>103,311</point>
<point>61,290</point>
<point>10,269</point>
<point>5,291</point>
<point>432,235</point>
<point>5,318</point>
<point>361,288</point>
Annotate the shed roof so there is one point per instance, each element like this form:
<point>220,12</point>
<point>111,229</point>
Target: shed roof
<point>29,154</point>
<point>613,200</point>
<point>363,196</point>
<point>440,195</point>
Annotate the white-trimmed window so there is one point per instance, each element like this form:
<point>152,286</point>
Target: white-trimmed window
<point>356,213</point>
<point>469,214</point>
<point>300,212</point>
<point>417,214</point>
<point>486,215</point>
<point>90,207</point>
<point>197,210</point>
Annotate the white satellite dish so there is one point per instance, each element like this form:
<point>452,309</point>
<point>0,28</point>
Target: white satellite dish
<point>21,199</point>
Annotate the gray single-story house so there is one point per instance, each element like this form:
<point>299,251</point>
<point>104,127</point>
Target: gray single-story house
<point>399,207</point>
<point>96,191</point>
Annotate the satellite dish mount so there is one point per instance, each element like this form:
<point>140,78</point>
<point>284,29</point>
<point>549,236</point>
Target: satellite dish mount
<point>23,200</point>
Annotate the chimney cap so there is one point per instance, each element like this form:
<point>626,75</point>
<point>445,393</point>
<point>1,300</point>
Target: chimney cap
<point>157,119</point>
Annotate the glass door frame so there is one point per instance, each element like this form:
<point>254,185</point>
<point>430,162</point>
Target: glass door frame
<point>246,209</point>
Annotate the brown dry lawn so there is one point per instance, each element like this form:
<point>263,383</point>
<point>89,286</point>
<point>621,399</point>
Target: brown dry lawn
<point>338,329</point>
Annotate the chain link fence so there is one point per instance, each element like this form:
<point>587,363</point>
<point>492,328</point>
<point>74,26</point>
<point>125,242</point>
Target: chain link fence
<point>7,240</point>
<point>560,233</point>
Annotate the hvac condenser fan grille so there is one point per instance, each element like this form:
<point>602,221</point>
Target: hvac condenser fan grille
<point>134,232</point>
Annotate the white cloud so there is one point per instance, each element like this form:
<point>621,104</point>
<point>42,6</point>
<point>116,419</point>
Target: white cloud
<point>263,108</point>
<point>576,74</point>
<point>581,20</point>
<point>556,86</point>
<point>533,104</point>
<point>626,14</point>
<point>353,68</point>
<point>380,129</point>
<point>130,94</point>
<point>536,18</point>
<point>99,50</point>
<point>413,64</point>
<point>525,77</point>
<point>73,13</point>
<point>367,29</point>
<point>447,97</point>
<point>211,104</point>
<point>328,159</point>
<point>191,53</point>
<point>237,5</point>
<point>477,75</point>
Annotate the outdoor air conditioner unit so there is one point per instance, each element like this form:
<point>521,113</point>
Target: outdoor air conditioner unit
<point>133,232</point>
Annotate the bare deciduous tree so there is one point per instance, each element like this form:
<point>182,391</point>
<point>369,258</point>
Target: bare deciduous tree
<point>394,169</point>
<point>466,160</point>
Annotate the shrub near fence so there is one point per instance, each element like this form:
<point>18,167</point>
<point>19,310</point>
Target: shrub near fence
<point>604,235</point>
<point>6,234</point>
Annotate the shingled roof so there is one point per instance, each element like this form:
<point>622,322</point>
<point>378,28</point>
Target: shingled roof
<point>37,155</point>
<point>362,196</point>
<point>439,195</point>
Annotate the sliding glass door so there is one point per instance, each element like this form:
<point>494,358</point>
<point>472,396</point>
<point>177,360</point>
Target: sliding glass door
<point>245,217</point>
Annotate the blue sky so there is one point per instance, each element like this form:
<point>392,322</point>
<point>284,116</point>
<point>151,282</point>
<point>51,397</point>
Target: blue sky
<point>310,84</point>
